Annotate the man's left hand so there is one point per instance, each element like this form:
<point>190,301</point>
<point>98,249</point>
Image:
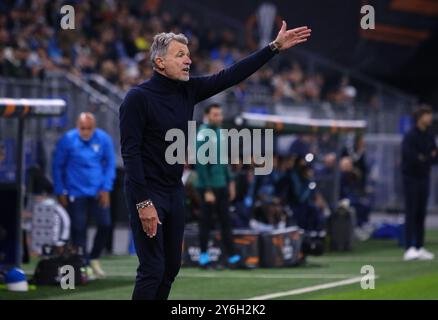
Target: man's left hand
<point>104,199</point>
<point>289,38</point>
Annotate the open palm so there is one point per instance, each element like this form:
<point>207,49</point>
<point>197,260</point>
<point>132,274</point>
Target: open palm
<point>289,38</point>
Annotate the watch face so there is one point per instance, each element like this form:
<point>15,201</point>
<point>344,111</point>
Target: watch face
<point>273,47</point>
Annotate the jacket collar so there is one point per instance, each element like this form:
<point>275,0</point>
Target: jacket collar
<point>163,83</point>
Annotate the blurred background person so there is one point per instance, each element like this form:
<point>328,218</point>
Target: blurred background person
<point>217,188</point>
<point>83,173</point>
<point>419,153</point>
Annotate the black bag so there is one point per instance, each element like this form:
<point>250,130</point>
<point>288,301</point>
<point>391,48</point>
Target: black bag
<point>313,244</point>
<point>48,269</point>
<point>341,228</point>
<point>281,248</point>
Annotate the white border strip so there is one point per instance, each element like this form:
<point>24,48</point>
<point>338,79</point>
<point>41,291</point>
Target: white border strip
<point>33,102</point>
<point>358,124</point>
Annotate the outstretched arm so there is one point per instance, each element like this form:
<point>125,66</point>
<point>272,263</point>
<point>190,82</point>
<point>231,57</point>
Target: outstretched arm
<point>205,87</point>
<point>288,38</point>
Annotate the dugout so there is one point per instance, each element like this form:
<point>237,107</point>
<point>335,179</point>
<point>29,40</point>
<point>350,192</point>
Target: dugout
<point>276,248</point>
<point>289,125</point>
<point>12,192</point>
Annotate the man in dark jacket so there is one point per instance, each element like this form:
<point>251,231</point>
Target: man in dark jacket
<point>153,186</point>
<point>419,153</point>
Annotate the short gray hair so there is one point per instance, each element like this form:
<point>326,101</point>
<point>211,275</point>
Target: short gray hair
<point>161,44</point>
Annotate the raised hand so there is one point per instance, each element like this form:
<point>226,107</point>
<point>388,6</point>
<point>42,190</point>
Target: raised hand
<point>289,38</point>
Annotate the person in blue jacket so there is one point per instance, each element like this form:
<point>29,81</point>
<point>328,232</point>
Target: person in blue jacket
<point>83,174</point>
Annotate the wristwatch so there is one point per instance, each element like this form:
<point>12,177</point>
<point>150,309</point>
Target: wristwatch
<point>144,204</point>
<point>274,47</point>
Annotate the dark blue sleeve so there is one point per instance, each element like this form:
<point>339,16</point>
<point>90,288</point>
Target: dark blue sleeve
<point>109,164</point>
<point>59,164</point>
<point>133,120</point>
<point>208,86</point>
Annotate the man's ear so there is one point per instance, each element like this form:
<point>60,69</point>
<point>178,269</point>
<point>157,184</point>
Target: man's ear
<point>159,62</point>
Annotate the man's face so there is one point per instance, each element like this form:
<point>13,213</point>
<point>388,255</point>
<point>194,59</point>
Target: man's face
<point>176,62</point>
<point>86,128</point>
<point>426,120</point>
<point>215,117</point>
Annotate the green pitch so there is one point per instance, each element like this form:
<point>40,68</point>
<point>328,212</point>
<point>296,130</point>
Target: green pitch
<point>395,279</point>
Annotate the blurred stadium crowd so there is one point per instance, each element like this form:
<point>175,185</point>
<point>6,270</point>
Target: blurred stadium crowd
<point>112,38</point>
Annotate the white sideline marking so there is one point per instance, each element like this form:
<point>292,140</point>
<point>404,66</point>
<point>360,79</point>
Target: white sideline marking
<point>353,259</point>
<point>269,276</point>
<point>307,289</point>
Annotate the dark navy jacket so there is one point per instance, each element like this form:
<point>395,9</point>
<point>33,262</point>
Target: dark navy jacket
<point>150,109</point>
<point>417,147</point>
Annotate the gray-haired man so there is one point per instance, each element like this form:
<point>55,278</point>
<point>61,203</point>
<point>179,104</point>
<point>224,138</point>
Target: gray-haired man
<point>153,187</point>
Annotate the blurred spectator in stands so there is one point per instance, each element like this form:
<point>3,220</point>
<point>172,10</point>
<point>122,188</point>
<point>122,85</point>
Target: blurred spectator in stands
<point>284,187</point>
<point>299,188</point>
<point>345,93</point>
<point>39,63</point>
<point>325,174</point>
<point>192,196</point>
<point>351,189</point>
<point>311,88</point>
<point>4,33</point>
<point>83,174</point>
<point>15,62</point>
<point>267,203</point>
<point>3,62</point>
<point>327,143</point>
<point>296,74</point>
<point>357,153</point>
<point>284,90</point>
<point>109,71</point>
<point>291,85</point>
<point>260,84</point>
<point>301,146</point>
<point>241,206</point>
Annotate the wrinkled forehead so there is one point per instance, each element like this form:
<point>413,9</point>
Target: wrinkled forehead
<point>175,47</point>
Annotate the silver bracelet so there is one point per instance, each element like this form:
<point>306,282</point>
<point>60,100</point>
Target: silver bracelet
<point>144,204</point>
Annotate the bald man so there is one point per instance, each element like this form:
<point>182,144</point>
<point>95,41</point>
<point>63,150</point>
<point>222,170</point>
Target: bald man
<point>83,174</point>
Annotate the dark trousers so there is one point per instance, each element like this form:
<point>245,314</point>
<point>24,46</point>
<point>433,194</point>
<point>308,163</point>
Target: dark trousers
<point>78,209</point>
<point>159,257</point>
<point>220,207</point>
<point>416,191</point>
